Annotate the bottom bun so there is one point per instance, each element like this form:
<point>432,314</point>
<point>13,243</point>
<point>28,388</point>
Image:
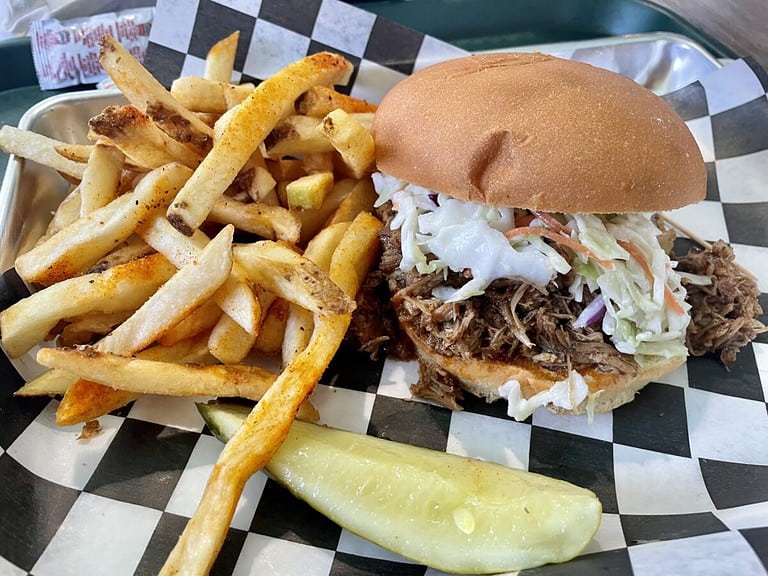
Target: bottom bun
<point>483,378</point>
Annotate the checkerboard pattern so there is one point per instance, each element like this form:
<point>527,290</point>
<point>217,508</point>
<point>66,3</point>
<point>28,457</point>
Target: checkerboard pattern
<point>682,472</point>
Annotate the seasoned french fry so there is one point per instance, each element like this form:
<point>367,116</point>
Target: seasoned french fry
<point>196,322</point>
<point>309,191</point>
<point>298,135</point>
<point>202,95</point>
<point>124,287</point>
<point>262,187</point>
<point>88,327</point>
<point>270,338</point>
<point>250,449</point>
<point>235,297</point>
<point>134,247</point>
<point>220,60</point>
<point>136,135</point>
<point>185,291</point>
<point>148,95</point>
<point>318,162</point>
<point>313,220</point>
<point>299,323</point>
<point>351,139</point>
<point>52,382</point>
<point>156,377</point>
<point>285,169</point>
<point>228,342</point>
<point>247,127</point>
<point>356,253</point>
<point>101,178</point>
<point>75,152</point>
<point>295,136</point>
<point>278,269</point>
<point>66,213</point>
<point>360,199</point>
<point>320,100</point>
<point>145,376</point>
<point>76,247</point>
<point>266,220</point>
<point>38,148</point>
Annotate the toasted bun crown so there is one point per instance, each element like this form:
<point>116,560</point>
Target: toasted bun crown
<point>534,131</point>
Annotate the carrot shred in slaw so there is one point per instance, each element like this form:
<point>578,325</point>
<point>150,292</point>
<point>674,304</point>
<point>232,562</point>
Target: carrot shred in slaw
<point>566,241</point>
<point>637,254</point>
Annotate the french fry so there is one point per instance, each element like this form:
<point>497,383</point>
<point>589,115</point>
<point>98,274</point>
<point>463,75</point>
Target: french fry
<point>351,139</point>
<point>50,383</point>
<point>220,60</point>
<point>262,187</point>
<point>228,342</point>
<point>85,328</point>
<point>312,221</point>
<point>270,338</point>
<point>156,377</point>
<point>356,253</point>
<point>235,297</point>
<point>38,148</point>
<point>75,152</point>
<point>299,323</point>
<point>187,289</point>
<point>202,95</point>
<point>308,192</point>
<point>360,199</point>
<point>66,213</point>
<point>280,270</point>
<point>136,135</point>
<point>125,287</point>
<point>53,382</point>
<point>101,178</point>
<point>318,162</point>
<point>247,127</point>
<point>134,247</point>
<point>297,135</point>
<point>320,100</point>
<point>260,435</point>
<point>76,247</point>
<point>285,169</point>
<point>268,221</point>
<point>148,95</point>
<point>196,322</point>
<point>144,376</point>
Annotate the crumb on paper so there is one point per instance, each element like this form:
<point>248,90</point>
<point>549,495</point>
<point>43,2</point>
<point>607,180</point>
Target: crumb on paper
<point>90,429</point>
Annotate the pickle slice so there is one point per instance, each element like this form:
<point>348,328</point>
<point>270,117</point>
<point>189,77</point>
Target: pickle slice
<point>449,512</point>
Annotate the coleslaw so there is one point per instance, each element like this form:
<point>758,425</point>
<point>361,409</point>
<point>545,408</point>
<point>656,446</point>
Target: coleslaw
<point>615,257</point>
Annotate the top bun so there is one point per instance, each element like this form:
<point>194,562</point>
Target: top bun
<point>533,131</point>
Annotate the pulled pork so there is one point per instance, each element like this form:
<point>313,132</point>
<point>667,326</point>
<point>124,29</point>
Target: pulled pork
<point>722,314</point>
<point>513,320</point>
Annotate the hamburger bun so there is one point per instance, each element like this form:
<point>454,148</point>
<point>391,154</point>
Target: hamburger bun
<point>532,131</point>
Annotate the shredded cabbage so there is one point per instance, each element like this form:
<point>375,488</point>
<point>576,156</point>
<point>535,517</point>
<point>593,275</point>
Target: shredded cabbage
<point>461,235</point>
<point>441,233</point>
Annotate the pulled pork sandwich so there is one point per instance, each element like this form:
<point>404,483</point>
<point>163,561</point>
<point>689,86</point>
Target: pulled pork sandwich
<point>519,254</point>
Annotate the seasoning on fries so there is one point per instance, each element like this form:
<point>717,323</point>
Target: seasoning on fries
<point>187,243</point>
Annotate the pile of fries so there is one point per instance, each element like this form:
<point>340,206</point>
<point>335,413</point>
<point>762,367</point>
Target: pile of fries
<point>205,225</point>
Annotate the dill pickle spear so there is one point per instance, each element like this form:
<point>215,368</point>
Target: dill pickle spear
<point>449,512</point>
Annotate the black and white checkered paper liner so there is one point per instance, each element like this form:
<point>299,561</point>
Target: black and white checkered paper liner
<point>682,472</point>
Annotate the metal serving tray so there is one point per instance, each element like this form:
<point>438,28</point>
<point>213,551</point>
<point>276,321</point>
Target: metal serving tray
<point>662,62</point>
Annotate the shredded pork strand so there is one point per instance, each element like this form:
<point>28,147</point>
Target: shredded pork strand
<point>723,314</point>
